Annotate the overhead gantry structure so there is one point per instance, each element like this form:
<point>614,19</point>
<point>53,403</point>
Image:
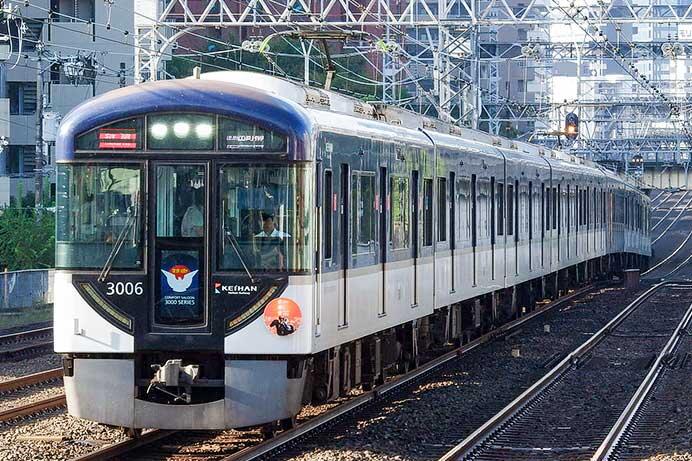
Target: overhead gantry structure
<point>451,55</point>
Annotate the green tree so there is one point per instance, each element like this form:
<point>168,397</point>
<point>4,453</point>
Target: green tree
<point>27,238</point>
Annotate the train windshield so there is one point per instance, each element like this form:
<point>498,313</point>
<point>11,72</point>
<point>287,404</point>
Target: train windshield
<point>99,216</point>
<point>265,218</point>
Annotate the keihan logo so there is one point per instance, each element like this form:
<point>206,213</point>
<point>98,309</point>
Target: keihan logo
<point>179,278</point>
<point>220,288</point>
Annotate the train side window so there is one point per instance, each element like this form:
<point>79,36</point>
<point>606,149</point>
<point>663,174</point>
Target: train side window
<point>542,210</point>
<point>554,212</point>
<point>568,208</point>
<point>363,209</point>
<point>577,221</point>
<point>492,210</point>
<point>530,210</point>
<point>400,212</point>
<point>329,200</point>
<point>559,209</point>
<point>474,212</point>
<point>464,191</point>
<point>510,209</point>
<point>427,211</point>
<point>500,209</point>
<point>547,208</point>
<point>516,210</point>
<point>442,209</point>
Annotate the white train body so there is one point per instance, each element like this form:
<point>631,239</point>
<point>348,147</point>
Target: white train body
<point>392,234</point>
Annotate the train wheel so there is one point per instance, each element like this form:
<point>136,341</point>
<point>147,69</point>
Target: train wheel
<point>320,393</point>
<point>269,430</point>
<point>132,432</point>
<point>288,423</point>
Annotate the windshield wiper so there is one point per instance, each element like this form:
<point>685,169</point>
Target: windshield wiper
<point>234,243</point>
<point>119,243</point>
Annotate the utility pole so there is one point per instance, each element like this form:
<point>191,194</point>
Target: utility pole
<point>38,162</point>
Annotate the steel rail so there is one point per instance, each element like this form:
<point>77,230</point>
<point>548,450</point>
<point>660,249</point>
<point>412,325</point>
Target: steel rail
<point>605,450</point>
<point>662,201</point>
<point>677,218</point>
<point>678,267</point>
<point>24,335</point>
<point>655,198</point>
<point>669,212</point>
<point>676,251</point>
<point>124,447</point>
<point>29,380</point>
<point>313,424</point>
<point>50,403</point>
<point>24,350</point>
<point>495,423</point>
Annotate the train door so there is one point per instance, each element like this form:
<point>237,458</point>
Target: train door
<point>383,239</point>
<point>344,240</point>
<point>415,202</point>
<point>452,228</point>
<point>178,242</point>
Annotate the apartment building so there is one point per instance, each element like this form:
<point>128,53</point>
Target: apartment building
<point>80,48</point>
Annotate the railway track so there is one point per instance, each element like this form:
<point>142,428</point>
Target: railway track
<point>571,410</point>
<point>656,419</point>
<point>26,343</point>
<point>33,408</point>
<point>30,380</point>
<point>673,222</point>
<point>270,448</point>
<point>670,210</point>
<point>7,388</point>
<point>662,201</point>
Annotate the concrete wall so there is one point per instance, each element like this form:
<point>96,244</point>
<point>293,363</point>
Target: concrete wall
<point>662,177</point>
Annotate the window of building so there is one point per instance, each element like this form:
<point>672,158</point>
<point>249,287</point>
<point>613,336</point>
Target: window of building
<point>399,221</point>
<point>21,159</point>
<point>363,206</point>
<point>22,97</point>
<point>73,10</point>
<point>442,209</point>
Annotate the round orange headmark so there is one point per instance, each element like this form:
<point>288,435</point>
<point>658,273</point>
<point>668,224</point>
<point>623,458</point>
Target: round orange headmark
<point>282,316</point>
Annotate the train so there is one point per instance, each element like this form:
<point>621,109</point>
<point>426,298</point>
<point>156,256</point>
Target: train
<point>233,246</point>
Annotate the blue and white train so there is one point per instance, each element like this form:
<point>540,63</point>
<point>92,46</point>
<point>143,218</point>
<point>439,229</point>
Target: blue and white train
<point>234,246</point>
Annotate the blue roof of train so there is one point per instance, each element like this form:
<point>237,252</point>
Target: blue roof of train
<point>187,95</point>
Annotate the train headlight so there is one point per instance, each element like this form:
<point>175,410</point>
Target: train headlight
<point>181,129</point>
<point>203,130</point>
<point>159,130</point>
